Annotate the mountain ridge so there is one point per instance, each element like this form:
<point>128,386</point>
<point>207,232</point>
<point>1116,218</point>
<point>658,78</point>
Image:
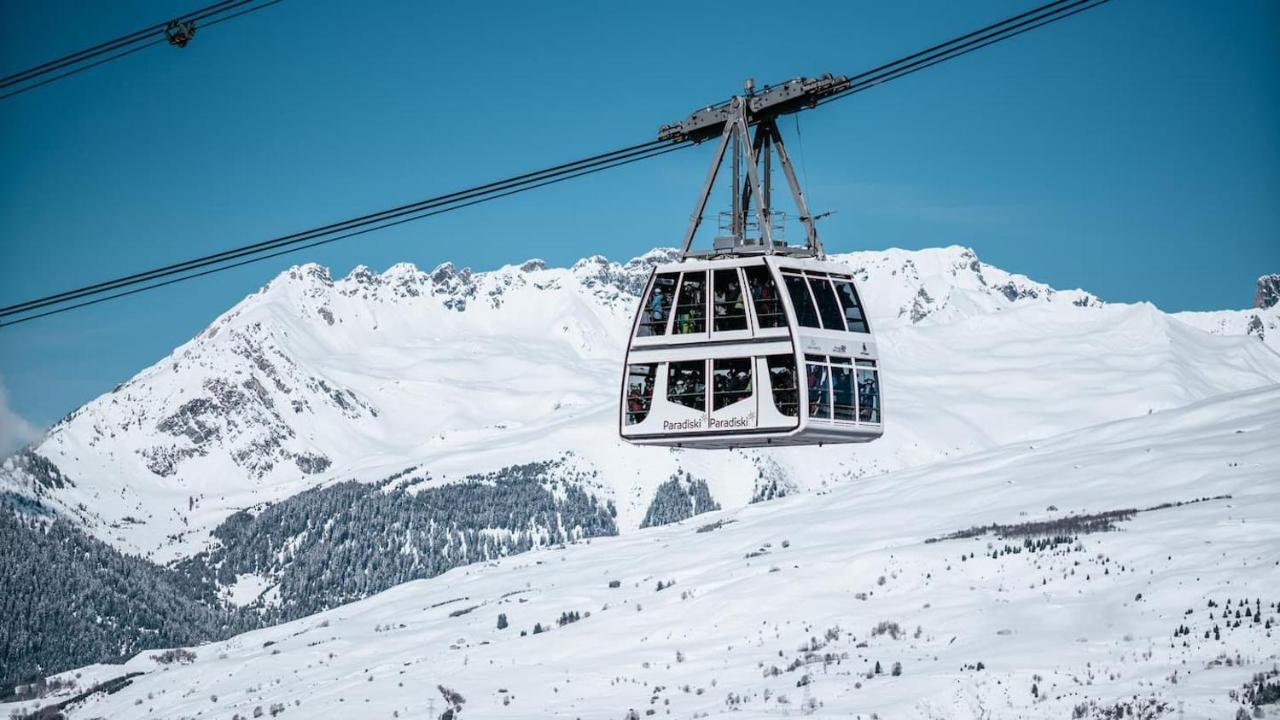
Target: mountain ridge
<point>311,381</point>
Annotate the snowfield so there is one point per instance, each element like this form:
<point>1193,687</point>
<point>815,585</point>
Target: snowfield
<point>1074,511</point>
<point>786,608</point>
<point>313,380</point>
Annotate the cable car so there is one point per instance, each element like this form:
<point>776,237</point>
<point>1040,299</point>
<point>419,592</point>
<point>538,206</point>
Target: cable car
<point>755,342</point>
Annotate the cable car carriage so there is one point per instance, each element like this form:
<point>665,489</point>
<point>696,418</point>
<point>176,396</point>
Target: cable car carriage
<point>756,342</point>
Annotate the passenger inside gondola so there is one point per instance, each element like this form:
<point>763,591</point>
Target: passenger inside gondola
<point>782,381</point>
<point>639,393</point>
<point>686,384</point>
<point>842,386</point>
<point>691,306</point>
<point>653,321</point>
<point>868,395</point>
<point>728,306</point>
<point>764,294</point>
<point>731,381</point>
<point>819,392</point>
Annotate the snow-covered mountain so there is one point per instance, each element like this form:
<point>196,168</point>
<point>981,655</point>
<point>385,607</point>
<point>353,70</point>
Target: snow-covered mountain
<point>1127,570</point>
<point>1262,320</point>
<point>314,380</point>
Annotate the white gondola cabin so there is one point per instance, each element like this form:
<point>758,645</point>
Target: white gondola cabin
<point>755,343</point>
<point>751,351</point>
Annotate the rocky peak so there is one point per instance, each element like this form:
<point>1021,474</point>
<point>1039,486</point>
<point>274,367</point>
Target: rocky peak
<point>309,279</point>
<point>314,271</point>
<point>363,275</point>
<point>445,273</point>
<point>1268,295</point>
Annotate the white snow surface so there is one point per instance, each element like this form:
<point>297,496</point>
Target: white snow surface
<point>1263,323</point>
<point>313,380</point>
<point>801,583</point>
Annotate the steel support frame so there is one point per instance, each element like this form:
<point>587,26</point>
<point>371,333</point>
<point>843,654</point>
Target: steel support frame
<point>754,152</point>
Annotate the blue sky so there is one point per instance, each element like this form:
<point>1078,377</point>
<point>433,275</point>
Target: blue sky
<point>1133,150</point>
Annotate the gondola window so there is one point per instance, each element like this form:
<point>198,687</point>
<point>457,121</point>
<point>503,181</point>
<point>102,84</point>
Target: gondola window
<point>828,306</point>
<point>731,381</point>
<point>782,380</point>
<point>691,306</point>
<point>640,380</point>
<point>657,307</point>
<point>853,314</point>
<point>868,392</point>
<point>842,387</point>
<point>806,314</point>
<point>819,387</point>
<point>687,384</point>
<point>728,306</point>
<point>764,295</point>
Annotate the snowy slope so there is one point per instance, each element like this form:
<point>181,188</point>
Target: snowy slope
<point>1261,321</point>
<point>776,610</point>
<point>1263,324</point>
<point>314,380</point>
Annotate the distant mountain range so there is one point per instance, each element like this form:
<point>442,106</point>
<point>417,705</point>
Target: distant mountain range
<point>312,381</point>
<point>325,440</point>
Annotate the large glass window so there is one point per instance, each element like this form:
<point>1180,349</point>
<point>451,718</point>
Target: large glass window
<point>730,381</point>
<point>806,314</point>
<point>819,387</point>
<point>639,391</point>
<point>868,392</point>
<point>842,390</point>
<point>764,295</point>
<point>849,303</point>
<point>657,307</point>
<point>728,307</point>
<point>687,384</point>
<point>782,380</point>
<point>828,306</point>
<point>691,306</point>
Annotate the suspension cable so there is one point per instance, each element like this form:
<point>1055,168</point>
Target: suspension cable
<point>255,252</point>
<point>125,45</point>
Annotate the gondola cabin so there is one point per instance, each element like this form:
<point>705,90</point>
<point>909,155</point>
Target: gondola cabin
<point>751,351</point>
<point>754,342</point>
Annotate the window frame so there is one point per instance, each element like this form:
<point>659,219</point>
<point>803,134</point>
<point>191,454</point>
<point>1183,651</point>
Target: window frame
<point>813,279</point>
<point>785,361</point>
<point>677,304</point>
<point>791,296</point>
<point>823,364</point>
<point>716,395</point>
<point>758,319</point>
<point>872,367</point>
<point>836,280</point>
<point>716,275</point>
<point>665,326</point>
<point>636,417</point>
<point>842,364</point>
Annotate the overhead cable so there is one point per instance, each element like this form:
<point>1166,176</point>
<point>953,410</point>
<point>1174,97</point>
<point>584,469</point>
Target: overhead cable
<point>274,247</point>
